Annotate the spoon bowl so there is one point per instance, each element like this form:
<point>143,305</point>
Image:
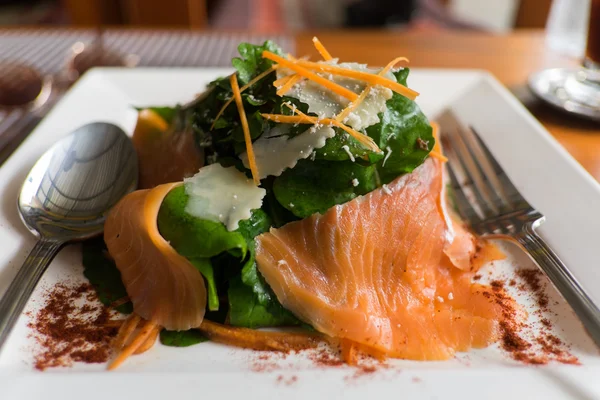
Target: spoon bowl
<point>65,198</point>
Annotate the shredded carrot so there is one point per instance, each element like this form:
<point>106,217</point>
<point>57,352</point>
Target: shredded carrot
<point>294,66</point>
<point>321,49</point>
<point>288,85</point>
<point>436,152</point>
<point>349,355</point>
<point>353,105</point>
<point>149,342</point>
<point>119,302</point>
<point>246,86</point>
<point>283,80</point>
<point>147,328</point>
<point>126,330</point>
<point>303,118</point>
<point>249,149</point>
<point>359,75</point>
<point>258,340</point>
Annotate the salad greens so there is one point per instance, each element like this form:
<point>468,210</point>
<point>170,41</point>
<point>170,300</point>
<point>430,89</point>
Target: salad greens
<point>334,174</point>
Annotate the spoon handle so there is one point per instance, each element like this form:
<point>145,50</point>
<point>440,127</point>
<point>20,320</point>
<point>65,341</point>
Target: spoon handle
<point>18,293</point>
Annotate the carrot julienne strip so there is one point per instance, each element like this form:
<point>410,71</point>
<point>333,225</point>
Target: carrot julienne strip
<point>149,342</point>
<point>321,49</point>
<point>303,118</point>
<point>249,149</point>
<point>125,331</point>
<point>436,152</point>
<point>359,75</point>
<point>288,85</point>
<point>294,66</point>
<point>283,80</point>
<point>147,328</point>
<point>246,86</point>
<point>353,105</point>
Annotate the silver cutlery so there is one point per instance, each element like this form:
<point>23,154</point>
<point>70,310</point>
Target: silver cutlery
<point>487,200</point>
<point>65,198</point>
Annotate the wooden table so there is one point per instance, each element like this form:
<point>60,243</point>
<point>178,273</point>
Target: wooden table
<point>510,58</point>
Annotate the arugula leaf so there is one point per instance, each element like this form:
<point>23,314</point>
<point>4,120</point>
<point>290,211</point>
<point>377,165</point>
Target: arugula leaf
<point>103,274</point>
<point>206,269</point>
<point>246,310</point>
<point>251,62</point>
<point>182,338</point>
<point>404,129</point>
<point>316,186</point>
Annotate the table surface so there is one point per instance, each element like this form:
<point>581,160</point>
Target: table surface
<point>511,58</point>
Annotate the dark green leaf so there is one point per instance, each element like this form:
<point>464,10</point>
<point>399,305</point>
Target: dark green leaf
<point>251,62</point>
<point>316,186</point>
<point>245,309</point>
<point>334,151</point>
<point>193,237</point>
<point>402,129</point>
<point>181,338</point>
<point>103,274</point>
<point>206,269</point>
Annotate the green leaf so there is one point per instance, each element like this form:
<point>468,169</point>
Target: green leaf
<point>316,186</point>
<point>103,274</point>
<point>206,269</point>
<point>334,151</point>
<point>194,237</point>
<point>245,309</point>
<point>403,129</point>
<point>251,62</point>
<point>181,338</point>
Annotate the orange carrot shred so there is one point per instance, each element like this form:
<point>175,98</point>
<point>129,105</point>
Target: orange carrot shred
<point>147,329</point>
<point>294,66</point>
<point>282,81</point>
<point>359,75</point>
<point>246,86</point>
<point>436,152</point>
<point>288,85</point>
<point>321,49</point>
<point>249,149</point>
<point>127,328</point>
<point>349,350</point>
<point>149,342</point>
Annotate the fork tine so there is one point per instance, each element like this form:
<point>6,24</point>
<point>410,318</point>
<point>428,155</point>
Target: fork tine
<point>510,193</point>
<point>463,156</point>
<point>465,209</point>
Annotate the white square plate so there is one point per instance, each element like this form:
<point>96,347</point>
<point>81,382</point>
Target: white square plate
<point>550,179</point>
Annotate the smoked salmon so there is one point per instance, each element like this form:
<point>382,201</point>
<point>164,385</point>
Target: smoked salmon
<point>164,155</point>
<point>386,270</point>
<point>163,286</point>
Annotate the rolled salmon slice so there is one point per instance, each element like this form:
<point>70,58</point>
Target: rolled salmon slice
<point>385,270</point>
<point>164,287</point>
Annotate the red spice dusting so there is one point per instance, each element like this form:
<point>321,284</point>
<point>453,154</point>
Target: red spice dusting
<point>512,282</point>
<point>287,381</point>
<point>546,347</point>
<point>476,277</point>
<point>533,282</point>
<point>68,333</point>
<point>416,379</point>
<point>325,358</point>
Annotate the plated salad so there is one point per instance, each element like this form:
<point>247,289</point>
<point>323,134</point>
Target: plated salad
<point>294,193</point>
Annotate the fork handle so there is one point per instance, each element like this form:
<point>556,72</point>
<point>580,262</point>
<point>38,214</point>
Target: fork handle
<point>18,293</point>
<point>563,280</point>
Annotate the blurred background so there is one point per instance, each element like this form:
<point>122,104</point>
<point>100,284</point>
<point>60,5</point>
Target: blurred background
<point>282,15</point>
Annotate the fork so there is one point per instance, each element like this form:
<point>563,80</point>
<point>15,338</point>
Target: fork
<point>489,202</point>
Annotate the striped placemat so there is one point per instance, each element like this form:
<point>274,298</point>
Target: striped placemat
<point>48,50</point>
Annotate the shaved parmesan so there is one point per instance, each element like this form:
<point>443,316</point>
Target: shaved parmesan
<point>327,104</point>
<point>274,154</point>
<point>223,195</point>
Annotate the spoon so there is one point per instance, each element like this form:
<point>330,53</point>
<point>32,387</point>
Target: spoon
<point>66,198</point>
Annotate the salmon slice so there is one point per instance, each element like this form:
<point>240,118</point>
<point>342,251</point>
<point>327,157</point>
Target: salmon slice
<point>386,270</point>
<point>163,286</point>
<point>164,155</point>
